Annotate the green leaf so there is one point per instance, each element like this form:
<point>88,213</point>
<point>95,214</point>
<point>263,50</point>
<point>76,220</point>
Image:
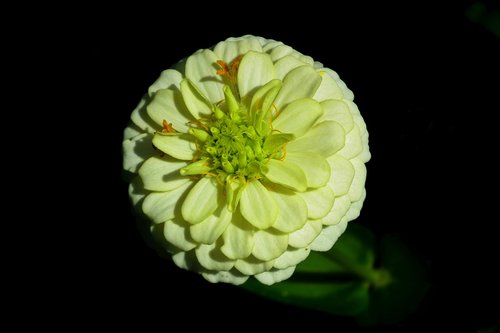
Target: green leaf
<point>409,284</point>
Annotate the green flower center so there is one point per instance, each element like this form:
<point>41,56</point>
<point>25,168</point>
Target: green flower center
<point>237,139</point>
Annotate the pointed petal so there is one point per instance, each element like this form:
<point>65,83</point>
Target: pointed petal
<point>319,201</point>
<point>202,200</point>
<point>340,207</point>
<point>305,235</point>
<point>342,174</point>
<point>293,210</point>
<point>141,119</point>
<point>233,277</point>
<point>325,138</point>
<point>285,65</point>
<point>275,275</point>
<point>169,79</point>
<point>211,258</point>
<point>314,166</point>
<point>161,207</point>
<point>257,206</point>
<point>201,69</point>
<point>353,144</point>
<point>286,174</point>
<point>230,49</point>
<point>168,105</point>
<point>292,257</point>
<point>328,89</point>
<point>358,182</point>
<point>328,237</point>
<point>136,150</point>
<point>252,265</point>
<point>180,146</point>
<point>238,238</point>
<point>211,228</point>
<point>298,117</point>
<point>339,112</point>
<point>162,173</point>
<point>177,233</point>
<point>269,244</point>
<point>301,82</point>
<point>196,102</point>
<point>256,69</point>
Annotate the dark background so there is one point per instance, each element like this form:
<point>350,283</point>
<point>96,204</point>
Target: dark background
<point>426,82</point>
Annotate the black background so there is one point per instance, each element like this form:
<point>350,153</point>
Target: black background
<point>421,78</point>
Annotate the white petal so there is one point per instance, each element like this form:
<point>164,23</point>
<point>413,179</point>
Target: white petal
<point>230,49</point>
<point>298,117</point>
<point>141,119</point>
<point>292,257</point>
<point>353,144</point>
<point>275,275</point>
<point>319,201</point>
<point>252,266</point>
<point>168,105</point>
<point>160,207</point>
<point>286,64</point>
<point>285,173</point>
<point>314,166</point>
<point>131,131</point>
<point>340,207</point>
<point>211,258</point>
<point>305,235</point>
<point>201,68</point>
<point>136,191</point>
<point>256,69</point>
<point>281,50</point>
<point>257,206</point>
<point>301,82</point>
<point>339,112</point>
<point>177,233</point>
<point>202,200</point>
<point>269,244</point>
<point>358,182</point>
<point>195,100</point>
<point>355,209</point>
<point>136,151</point>
<point>238,238</point>
<point>365,155</point>
<point>162,173</point>
<point>210,229</point>
<point>328,237</point>
<point>325,138</point>
<point>180,146</point>
<point>233,277</point>
<point>329,88</point>
<point>169,79</point>
<point>342,174</point>
<point>187,260</point>
<point>270,45</point>
<point>293,210</point>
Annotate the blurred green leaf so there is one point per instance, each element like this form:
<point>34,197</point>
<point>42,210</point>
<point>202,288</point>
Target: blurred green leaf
<point>409,284</point>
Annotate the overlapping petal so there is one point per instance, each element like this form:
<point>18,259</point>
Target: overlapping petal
<point>276,151</point>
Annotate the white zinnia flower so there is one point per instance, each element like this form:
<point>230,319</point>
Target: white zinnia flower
<point>246,157</point>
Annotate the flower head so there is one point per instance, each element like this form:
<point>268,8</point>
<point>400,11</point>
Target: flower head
<point>246,157</point>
